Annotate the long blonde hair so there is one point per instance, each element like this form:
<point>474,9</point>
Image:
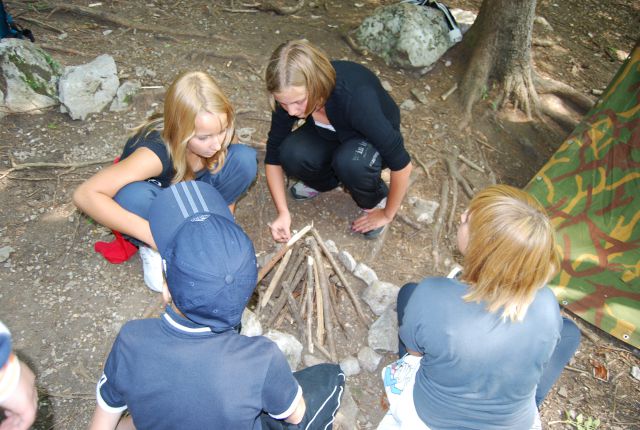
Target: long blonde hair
<point>297,63</point>
<point>188,95</point>
<point>511,252</point>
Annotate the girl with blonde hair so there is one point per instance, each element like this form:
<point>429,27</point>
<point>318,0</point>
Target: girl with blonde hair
<point>190,140</point>
<point>482,351</point>
<point>351,132</point>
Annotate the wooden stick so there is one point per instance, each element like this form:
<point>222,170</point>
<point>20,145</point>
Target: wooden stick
<point>444,201</point>
<point>319,307</point>
<point>276,278</point>
<point>114,19</point>
<point>455,174</point>
<point>408,221</point>
<point>326,300</point>
<point>470,163</point>
<point>267,267</point>
<point>288,285</point>
<point>449,92</point>
<point>323,350</point>
<point>454,203</point>
<point>345,284</point>
<point>424,165</point>
<point>309,303</point>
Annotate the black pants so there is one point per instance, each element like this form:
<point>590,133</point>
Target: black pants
<point>322,388</point>
<point>321,161</point>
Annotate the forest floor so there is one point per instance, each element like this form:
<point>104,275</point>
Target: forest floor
<point>65,304</point>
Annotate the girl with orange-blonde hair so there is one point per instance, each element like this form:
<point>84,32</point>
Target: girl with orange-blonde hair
<point>482,351</point>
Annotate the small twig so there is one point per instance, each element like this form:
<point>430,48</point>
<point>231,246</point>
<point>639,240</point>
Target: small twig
<point>269,6</point>
<point>352,43</point>
<point>267,267</point>
<point>326,300</point>
<point>470,163</point>
<point>425,166</point>
<point>444,201</point>
<point>276,278</point>
<point>41,24</point>
<point>575,369</point>
<point>454,204</point>
<point>345,283</point>
<point>310,304</point>
<point>455,174</point>
<point>291,280</point>
<point>322,350</point>
<point>44,165</point>
<point>319,308</point>
<point>449,92</point>
<point>411,223</point>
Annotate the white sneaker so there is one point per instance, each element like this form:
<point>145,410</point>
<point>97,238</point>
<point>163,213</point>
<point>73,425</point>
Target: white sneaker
<point>300,191</point>
<point>152,268</point>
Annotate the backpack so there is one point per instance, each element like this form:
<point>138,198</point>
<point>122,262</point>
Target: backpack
<point>10,28</point>
<point>455,35</point>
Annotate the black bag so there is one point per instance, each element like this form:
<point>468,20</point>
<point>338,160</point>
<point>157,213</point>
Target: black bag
<point>10,28</point>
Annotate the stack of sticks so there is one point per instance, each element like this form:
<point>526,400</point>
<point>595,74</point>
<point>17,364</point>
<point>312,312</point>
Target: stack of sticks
<point>302,284</point>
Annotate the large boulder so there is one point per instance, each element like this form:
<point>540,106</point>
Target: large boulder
<point>405,34</point>
<point>88,88</point>
<point>28,77</point>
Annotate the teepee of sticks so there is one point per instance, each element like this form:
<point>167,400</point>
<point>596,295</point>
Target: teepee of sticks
<point>302,285</point>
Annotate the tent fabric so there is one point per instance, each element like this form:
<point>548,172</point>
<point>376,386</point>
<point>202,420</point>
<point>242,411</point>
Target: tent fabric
<point>591,189</point>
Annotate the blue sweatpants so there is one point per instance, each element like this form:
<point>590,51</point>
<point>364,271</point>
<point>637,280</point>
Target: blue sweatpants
<point>237,174</point>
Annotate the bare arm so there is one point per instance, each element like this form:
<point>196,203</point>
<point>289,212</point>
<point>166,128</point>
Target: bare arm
<point>95,196</point>
<point>378,217</point>
<point>103,420</point>
<point>281,226</point>
<point>298,413</point>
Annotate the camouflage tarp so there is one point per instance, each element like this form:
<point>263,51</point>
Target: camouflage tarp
<point>591,188</point>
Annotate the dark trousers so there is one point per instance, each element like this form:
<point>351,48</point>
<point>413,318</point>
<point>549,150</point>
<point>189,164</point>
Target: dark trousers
<point>322,388</point>
<point>321,161</point>
<point>569,342</point>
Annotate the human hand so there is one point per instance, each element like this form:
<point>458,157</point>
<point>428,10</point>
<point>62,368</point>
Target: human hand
<point>281,228</point>
<point>20,409</point>
<point>372,219</point>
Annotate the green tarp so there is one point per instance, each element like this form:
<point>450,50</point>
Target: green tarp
<point>591,189</point>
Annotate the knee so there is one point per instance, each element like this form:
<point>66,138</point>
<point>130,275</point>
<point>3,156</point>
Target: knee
<point>293,156</point>
<point>244,159</point>
<point>570,333</point>
<point>137,196</point>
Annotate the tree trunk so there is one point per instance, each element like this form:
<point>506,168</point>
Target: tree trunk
<point>499,47</point>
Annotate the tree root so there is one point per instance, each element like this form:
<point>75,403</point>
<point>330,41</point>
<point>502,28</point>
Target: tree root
<point>41,165</point>
<point>551,86</point>
<point>114,19</point>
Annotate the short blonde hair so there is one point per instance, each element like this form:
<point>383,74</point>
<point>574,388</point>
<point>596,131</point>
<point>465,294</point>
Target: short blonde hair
<point>511,251</point>
<point>188,95</point>
<point>297,63</point>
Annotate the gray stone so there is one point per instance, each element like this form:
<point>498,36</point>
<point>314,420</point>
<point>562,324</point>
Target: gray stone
<point>289,345</point>
<point>250,324</point>
<point>369,359</point>
<point>5,253</point>
<point>88,88</point>
<point>420,96</point>
<point>380,295</point>
<point>331,246</point>
<point>366,273</point>
<point>408,105</point>
<point>124,96</point>
<point>387,86</point>
<point>350,366</point>
<point>464,18</point>
<point>28,78</point>
<point>347,261</point>
<point>383,333</point>
<point>405,35</point>
<point>423,210</point>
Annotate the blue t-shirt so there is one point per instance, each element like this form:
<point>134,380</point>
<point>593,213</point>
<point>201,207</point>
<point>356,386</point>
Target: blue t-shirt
<point>154,142</point>
<point>477,371</point>
<point>173,374</point>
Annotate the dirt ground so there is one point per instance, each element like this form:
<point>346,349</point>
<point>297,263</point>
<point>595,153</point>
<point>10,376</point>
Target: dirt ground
<point>65,304</point>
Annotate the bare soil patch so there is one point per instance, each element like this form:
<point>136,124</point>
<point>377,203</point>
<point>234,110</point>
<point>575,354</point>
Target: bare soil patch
<point>65,304</point>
